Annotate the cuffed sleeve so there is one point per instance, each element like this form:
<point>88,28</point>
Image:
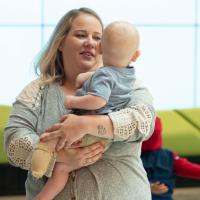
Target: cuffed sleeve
<point>133,123</point>
<point>20,136</point>
<point>19,150</point>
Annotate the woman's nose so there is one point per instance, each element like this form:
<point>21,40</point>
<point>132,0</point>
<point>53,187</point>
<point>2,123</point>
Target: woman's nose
<point>89,42</point>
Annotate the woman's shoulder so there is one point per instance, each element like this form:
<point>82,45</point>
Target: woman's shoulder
<point>31,94</point>
<point>138,84</point>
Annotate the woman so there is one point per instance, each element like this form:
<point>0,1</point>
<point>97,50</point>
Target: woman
<point>74,49</point>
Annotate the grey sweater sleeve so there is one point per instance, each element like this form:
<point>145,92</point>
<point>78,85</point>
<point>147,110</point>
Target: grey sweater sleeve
<point>136,122</point>
<point>20,134</point>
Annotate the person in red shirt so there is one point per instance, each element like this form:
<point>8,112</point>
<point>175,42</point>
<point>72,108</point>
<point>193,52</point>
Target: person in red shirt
<point>162,165</point>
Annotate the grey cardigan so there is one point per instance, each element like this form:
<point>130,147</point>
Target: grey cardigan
<point>119,175</point>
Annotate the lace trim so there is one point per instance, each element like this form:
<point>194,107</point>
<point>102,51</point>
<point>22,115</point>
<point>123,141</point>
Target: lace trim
<point>126,121</point>
<point>19,151</point>
<point>31,94</point>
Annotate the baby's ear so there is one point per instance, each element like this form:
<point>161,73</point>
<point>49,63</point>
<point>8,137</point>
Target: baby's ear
<point>100,49</point>
<point>136,55</point>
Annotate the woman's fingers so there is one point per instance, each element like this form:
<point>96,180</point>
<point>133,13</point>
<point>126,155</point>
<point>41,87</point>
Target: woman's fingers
<point>62,142</point>
<point>76,144</point>
<point>63,118</point>
<point>76,158</point>
<point>49,136</point>
<point>92,153</point>
<point>53,128</point>
<point>92,160</point>
<point>95,151</point>
<point>92,148</point>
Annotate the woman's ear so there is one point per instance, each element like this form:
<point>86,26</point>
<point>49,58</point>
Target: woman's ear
<point>136,55</point>
<point>61,46</point>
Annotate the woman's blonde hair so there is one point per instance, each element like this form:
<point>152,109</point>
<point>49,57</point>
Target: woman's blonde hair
<point>50,63</point>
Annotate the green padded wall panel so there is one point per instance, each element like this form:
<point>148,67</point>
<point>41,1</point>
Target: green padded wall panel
<point>178,134</point>
<point>191,115</point>
<point>4,114</point>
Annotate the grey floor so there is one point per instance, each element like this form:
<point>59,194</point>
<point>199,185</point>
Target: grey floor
<point>187,194</point>
<point>179,194</point>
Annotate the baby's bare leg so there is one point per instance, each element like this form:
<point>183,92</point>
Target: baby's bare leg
<point>55,184</point>
<point>41,157</point>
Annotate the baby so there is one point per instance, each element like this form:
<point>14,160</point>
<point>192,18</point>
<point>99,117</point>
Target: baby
<point>109,89</point>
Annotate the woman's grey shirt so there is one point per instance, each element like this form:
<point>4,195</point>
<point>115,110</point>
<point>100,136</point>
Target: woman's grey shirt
<point>119,175</point>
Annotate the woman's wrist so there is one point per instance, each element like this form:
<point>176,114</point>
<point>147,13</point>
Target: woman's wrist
<point>97,125</point>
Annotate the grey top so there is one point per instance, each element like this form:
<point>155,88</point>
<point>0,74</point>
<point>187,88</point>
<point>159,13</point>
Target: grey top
<point>119,175</point>
<point>113,84</point>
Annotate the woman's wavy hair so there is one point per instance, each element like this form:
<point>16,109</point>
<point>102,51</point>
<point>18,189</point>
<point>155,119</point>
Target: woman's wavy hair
<point>49,65</point>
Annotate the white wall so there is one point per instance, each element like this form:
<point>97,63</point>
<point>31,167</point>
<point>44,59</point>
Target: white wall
<point>170,43</point>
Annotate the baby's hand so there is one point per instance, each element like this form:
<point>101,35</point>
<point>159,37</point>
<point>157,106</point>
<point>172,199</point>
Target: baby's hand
<point>81,78</point>
<point>158,188</point>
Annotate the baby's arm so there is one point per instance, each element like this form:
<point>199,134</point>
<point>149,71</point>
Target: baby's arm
<point>97,91</point>
<point>86,102</point>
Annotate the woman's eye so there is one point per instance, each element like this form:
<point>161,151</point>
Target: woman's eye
<point>97,38</point>
<point>80,35</point>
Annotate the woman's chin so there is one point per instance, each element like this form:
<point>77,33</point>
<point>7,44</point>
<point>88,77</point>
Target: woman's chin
<point>88,66</point>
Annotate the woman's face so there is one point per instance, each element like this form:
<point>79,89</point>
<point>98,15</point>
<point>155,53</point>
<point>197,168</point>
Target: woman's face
<point>81,47</point>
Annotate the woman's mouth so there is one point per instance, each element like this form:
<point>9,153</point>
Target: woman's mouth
<point>87,54</point>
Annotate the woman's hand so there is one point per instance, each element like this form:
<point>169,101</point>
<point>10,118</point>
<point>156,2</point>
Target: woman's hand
<point>69,130</point>
<point>158,188</point>
<point>80,157</point>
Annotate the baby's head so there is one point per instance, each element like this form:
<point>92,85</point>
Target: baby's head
<point>120,42</point>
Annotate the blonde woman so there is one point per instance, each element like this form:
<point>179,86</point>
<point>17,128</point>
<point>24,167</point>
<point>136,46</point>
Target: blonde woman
<point>115,175</point>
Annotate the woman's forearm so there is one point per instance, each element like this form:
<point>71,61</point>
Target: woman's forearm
<point>133,123</point>
<point>20,134</point>
<point>97,125</point>
<point>20,138</point>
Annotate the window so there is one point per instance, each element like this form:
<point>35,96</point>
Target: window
<point>169,64</point>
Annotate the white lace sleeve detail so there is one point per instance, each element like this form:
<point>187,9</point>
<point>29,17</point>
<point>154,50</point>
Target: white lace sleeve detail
<point>137,117</point>
<point>31,94</point>
<point>20,151</point>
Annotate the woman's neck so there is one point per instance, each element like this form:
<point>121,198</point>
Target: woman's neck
<point>69,87</point>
